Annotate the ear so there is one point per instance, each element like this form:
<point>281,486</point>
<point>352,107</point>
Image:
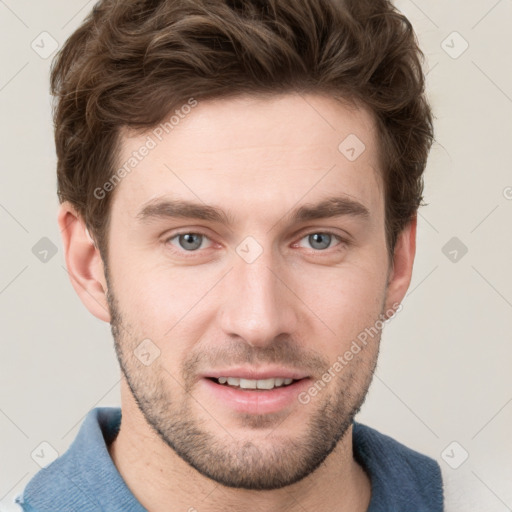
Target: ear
<point>401,268</point>
<point>83,261</point>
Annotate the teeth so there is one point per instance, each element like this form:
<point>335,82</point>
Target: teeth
<point>255,384</point>
<point>265,383</point>
<point>233,381</point>
<point>248,384</point>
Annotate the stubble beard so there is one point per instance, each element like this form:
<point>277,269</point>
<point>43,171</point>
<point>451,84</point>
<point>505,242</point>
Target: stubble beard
<point>206,445</point>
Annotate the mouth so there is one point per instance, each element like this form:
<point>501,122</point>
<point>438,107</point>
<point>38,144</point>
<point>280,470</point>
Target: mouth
<point>254,393</point>
<point>254,384</point>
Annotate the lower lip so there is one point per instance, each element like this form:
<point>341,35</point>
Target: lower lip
<point>256,401</point>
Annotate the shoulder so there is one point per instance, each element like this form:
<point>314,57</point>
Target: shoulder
<point>382,449</point>
<point>400,476</point>
<point>65,484</point>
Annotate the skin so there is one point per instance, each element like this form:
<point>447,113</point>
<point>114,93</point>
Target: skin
<point>296,304</point>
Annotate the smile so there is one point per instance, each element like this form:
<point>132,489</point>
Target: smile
<point>242,383</point>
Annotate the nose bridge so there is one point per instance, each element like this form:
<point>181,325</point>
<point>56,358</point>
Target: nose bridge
<point>257,306</point>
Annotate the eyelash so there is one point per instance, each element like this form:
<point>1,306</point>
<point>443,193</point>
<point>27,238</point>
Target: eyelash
<point>190,254</point>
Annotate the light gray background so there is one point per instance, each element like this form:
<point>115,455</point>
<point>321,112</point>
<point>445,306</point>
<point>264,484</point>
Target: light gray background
<point>445,367</point>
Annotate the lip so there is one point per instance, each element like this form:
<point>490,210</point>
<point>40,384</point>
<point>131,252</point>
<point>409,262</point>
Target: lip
<point>251,401</point>
<point>268,372</point>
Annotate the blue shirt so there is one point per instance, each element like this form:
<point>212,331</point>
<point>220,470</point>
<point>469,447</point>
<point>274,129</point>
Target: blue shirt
<point>85,478</point>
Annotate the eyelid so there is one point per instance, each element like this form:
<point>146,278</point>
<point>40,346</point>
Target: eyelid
<point>343,240</point>
<point>169,237</point>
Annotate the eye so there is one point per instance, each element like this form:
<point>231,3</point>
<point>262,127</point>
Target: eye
<point>320,240</point>
<point>188,241</point>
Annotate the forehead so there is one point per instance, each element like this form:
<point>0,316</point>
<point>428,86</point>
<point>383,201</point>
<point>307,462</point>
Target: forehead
<point>262,152</point>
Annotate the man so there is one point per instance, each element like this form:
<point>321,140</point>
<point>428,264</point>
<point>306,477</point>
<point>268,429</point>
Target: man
<point>239,183</point>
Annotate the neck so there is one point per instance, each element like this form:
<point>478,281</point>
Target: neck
<point>162,481</point>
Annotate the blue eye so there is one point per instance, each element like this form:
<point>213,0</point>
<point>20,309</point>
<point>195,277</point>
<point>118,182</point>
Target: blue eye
<point>189,241</point>
<point>193,242</point>
<point>321,241</point>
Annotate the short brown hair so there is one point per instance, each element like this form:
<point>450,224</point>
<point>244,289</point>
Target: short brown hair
<point>131,62</point>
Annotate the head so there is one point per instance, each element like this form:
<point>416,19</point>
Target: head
<point>249,174</point>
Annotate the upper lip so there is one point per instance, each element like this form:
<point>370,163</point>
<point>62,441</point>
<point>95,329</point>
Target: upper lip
<point>257,374</point>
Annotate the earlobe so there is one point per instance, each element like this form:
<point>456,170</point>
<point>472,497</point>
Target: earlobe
<point>83,262</point>
<point>403,261</point>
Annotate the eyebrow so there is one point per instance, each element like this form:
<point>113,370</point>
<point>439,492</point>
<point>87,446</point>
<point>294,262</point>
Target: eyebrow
<point>177,208</point>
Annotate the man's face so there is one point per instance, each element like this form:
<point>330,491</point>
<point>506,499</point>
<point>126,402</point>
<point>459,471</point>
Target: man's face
<point>269,294</point>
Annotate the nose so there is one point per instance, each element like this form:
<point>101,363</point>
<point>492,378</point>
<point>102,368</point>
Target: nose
<point>258,305</point>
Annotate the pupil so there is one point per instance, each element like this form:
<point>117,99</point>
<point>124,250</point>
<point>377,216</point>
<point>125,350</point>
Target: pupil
<point>320,240</point>
<point>191,241</point>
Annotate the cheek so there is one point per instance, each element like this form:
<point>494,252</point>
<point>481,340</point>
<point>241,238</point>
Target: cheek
<point>162,303</point>
<point>347,300</point>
